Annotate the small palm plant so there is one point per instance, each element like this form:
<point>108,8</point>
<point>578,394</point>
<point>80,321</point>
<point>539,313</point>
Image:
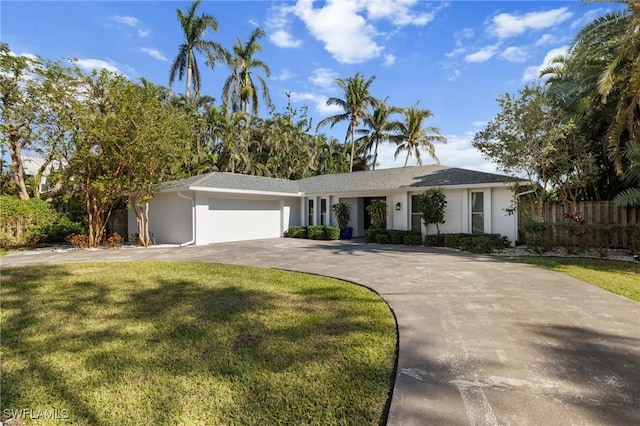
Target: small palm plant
<point>342,212</point>
<point>378,211</point>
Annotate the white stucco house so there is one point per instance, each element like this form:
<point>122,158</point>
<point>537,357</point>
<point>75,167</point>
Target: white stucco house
<point>219,207</point>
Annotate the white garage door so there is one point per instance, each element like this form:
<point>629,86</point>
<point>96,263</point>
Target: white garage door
<point>232,219</point>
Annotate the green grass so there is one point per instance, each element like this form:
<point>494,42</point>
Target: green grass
<point>621,278</point>
<point>178,343</point>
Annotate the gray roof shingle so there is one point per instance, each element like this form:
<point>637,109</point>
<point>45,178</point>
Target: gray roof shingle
<point>399,178</point>
<point>369,180</point>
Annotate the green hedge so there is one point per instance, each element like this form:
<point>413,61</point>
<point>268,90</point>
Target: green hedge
<point>389,236</point>
<point>475,243</point>
<point>24,222</point>
<point>436,240</point>
<point>319,232</point>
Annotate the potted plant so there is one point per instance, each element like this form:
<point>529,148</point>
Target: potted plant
<point>342,212</point>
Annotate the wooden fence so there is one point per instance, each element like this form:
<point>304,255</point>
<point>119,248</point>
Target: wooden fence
<point>604,225</point>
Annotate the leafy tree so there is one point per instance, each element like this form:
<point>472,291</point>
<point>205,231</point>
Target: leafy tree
<point>631,196</point>
<point>240,90</point>
<point>614,41</point>
<point>432,204</point>
<point>378,212</point>
<point>194,28</point>
<point>413,137</point>
<point>357,98</point>
<point>125,140</point>
<point>35,99</point>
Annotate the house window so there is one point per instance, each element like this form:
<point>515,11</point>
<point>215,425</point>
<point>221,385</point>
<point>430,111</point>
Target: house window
<point>323,211</point>
<point>416,217</point>
<point>310,212</point>
<point>477,212</point>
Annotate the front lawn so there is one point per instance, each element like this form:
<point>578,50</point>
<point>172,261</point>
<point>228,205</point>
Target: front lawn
<point>178,343</point>
<point>621,278</point>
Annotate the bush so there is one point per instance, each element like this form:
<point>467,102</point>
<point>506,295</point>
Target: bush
<point>24,221</point>
<point>382,238</point>
<point>62,227</point>
<point>453,240</point>
<point>479,244</point>
<point>413,240</point>
<point>370,234</point>
<point>436,240</point>
<point>77,240</point>
<point>297,232</point>
<point>317,232</point>
<point>115,241</point>
<point>332,232</point>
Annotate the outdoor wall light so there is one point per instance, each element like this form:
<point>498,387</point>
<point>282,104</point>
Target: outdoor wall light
<point>398,206</point>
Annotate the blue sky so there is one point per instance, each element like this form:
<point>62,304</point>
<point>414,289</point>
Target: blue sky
<point>455,57</point>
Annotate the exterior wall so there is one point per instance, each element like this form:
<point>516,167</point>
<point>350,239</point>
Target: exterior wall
<point>399,219</point>
<point>501,222</point>
<point>291,213</point>
<point>169,219</point>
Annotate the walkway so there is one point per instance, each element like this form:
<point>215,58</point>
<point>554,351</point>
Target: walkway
<point>482,341</point>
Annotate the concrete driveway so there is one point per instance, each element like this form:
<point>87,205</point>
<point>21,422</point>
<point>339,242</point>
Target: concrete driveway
<point>482,341</point>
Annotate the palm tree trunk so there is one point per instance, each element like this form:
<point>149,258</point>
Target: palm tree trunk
<point>375,156</point>
<point>353,149</point>
<point>406,160</point>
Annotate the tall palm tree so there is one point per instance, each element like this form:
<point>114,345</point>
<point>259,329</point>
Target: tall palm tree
<point>240,90</point>
<point>379,128</point>
<point>194,27</point>
<point>357,99</point>
<point>614,41</point>
<point>631,196</point>
<point>413,136</point>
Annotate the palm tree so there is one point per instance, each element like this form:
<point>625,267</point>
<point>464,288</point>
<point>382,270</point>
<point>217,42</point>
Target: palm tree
<point>194,27</point>
<point>239,89</point>
<point>357,99</point>
<point>412,136</point>
<point>631,196</point>
<point>380,128</point>
<point>614,41</point>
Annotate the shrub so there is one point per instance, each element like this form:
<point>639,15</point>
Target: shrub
<point>378,211</point>
<point>342,212</point>
<point>413,240</point>
<point>317,232</point>
<point>436,240</point>
<point>382,239</point>
<point>453,240</point>
<point>62,227</point>
<point>77,240</point>
<point>370,234</point>
<point>332,232</point>
<point>24,221</point>
<point>396,236</point>
<point>115,241</point>
<point>297,232</point>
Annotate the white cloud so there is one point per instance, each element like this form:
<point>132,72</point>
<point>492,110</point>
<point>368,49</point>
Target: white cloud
<point>285,74</point>
<point>515,54</point>
<point>133,22</point>
<point>154,53</point>
<point>454,75</point>
<point>588,17</point>
<point>278,26</point>
<point>545,40</point>
<point>126,20</point>
<point>389,60</point>
<point>508,25</point>
<point>533,72</point>
<point>398,12</point>
<point>319,102</point>
<point>96,64</point>
<point>344,32</point>
<point>479,123</point>
<point>323,77</point>
<point>482,55</point>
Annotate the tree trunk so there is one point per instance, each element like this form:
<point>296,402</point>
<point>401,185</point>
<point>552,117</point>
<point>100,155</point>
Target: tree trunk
<point>353,149</point>
<point>18,170</point>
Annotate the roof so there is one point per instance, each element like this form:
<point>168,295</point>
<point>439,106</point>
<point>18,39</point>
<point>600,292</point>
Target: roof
<point>409,178</point>
<point>234,181</point>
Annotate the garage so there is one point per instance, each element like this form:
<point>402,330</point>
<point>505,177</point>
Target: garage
<point>237,219</point>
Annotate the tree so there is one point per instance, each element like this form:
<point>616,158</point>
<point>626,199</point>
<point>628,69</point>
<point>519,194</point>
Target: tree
<point>432,204</point>
<point>378,212</point>
<point>379,129</point>
<point>35,113</point>
<point>194,28</point>
<point>412,136</point>
<point>614,41</point>
<point>239,90</point>
<point>357,99</point>
<point>631,196</point>
<point>125,140</point>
